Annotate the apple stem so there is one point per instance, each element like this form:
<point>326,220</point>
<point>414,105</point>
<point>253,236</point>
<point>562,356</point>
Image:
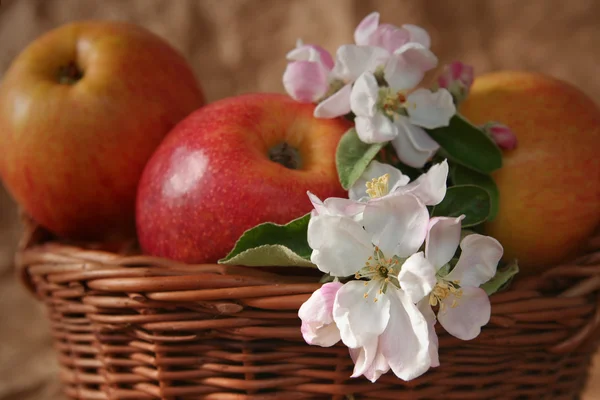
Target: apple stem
<point>286,155</point>
<point>69,74</point>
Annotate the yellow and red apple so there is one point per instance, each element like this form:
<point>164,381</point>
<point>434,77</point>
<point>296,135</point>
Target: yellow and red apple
<point>550,184</point>
<point>231,165</point>
<point>82,108</point>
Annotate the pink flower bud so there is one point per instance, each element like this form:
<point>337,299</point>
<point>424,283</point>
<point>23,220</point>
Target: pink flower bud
<point>457,78</point>
<point>318,327</point>
<point>504,137</point>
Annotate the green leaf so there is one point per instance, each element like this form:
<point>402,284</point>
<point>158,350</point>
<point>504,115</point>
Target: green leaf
<point>271,244</point>
<point>501,279</point>
<point>464,176</point>
<point>471,200</point>
<point>353,156</point>
<point>468,145</point>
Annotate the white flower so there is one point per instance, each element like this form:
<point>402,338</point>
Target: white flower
<point>398,115</point>
<point>379,315</point>
<point>390,37</point>
<point>380,180</point>
<point>463,306</point>
<point>316,314</point>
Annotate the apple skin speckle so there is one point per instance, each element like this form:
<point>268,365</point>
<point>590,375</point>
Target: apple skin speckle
<point>211,179</point>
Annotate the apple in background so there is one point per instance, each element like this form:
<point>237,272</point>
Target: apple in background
<point>231,165</point>
<point>82,108</point>
<point>550,184</point>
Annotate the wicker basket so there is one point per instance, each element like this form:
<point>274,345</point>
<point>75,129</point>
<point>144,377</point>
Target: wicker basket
<point>128,326</point>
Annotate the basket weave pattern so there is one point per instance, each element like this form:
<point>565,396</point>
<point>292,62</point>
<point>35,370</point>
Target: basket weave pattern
<point>138,327</point>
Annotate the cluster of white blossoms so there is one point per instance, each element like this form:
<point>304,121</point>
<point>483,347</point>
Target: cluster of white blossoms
<point>399,266</point>
<point>377,79</point>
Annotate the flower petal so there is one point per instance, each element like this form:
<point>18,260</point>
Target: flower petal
<point>389,37</point>
<point>398,224</point>
<point>316,314</point>
<point>478,261</point>
<point>369,361</point>
<point>352,61</point>
<point>311,52</point>
<point>430,187</point>
<point>407,66</point>
<point>364,95</point>
<point>405,341</point>
<point>418,35</point>
<point>366,28</point>
<point>429,315</point>
<point>376,129</point>
<point>340,245</point>
<point>336,206</point>
<point>305,81</point>
<point>469,314</point>
<point>336,105</point>
<point>442,240</point>
<point>430,109</point>
<point>358,316</point>
<point>375,170</point>
<point>417,277</point>
<point>413,145</point>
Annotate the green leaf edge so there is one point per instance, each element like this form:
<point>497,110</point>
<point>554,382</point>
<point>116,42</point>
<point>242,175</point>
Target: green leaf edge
<point>501,279</point>
<point>349,174</point>
<point>461,186</point>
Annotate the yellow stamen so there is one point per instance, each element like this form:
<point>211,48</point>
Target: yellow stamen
<point>378,187</point>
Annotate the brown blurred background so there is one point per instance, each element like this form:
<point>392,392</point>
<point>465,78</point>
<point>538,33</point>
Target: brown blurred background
<point>239,46</point>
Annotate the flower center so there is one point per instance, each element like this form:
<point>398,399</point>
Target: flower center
<point>392,103</point>
<point>442,290</point>
<point>378,268</point>
<point>378,187</point>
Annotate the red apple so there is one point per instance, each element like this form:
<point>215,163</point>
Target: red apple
<point>230,166</point>
<point>82,108</point>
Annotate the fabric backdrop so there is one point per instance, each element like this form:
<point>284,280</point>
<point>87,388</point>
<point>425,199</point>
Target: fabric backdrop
<point>239,46</point>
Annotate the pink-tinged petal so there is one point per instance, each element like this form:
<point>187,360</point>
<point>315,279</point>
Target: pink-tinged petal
<point>376,169</point>
<point>398,224</point>
<point>366,28</point>
<point>316,314</point>
<point>311,52</point>
<point>376,129</point>
<point>358,316</point>
<point>429,315</point>
<point>430,187</point>
<point>407,66</point>
<point>336,105</point>
<point>352,61</point>
<point>504,137</point>
<point>417,277</point>
<point>336,206</point>
<point>364,95</point>
<point>369,361</point>
<point>305,81</point>
<point>470,312</point>
<point>442,240</point>
<point>430,109</point>
<point>405,341</point>
<point>457,78</point>
<point>418,35</point>
<point>389,37</point>
<point>478,261</point>
<point>340,245</point>
<point>413,145</point>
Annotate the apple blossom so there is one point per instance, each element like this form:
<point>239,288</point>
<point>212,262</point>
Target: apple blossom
<point>457,78</point>
<point>504,137</point>
<point>307,77</point>
<point>379,315</point>
<point>387,36</point>
<point>463,306</point>
<point>380,180</point>
<point>316,314</point>
<point>398,115</point>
